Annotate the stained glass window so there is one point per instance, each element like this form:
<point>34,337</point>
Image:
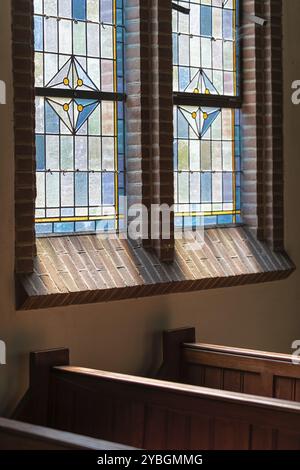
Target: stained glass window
<point>79,115</point>
<point>206,116</point>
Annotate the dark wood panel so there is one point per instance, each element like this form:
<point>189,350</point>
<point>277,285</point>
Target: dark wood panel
<point>233,380</point>
<point>231,435</point>
<point>262,438</point>
<point>251,383</point>
<point>156,425</point>
<point>103,418</point>
<point>193,374</point>
<point>178,431</point>
<point>128,422</point>
<point>213,377</point>
<point>201,432</point>
<point>61,408</point>
<point>297,390</point>
<point>284,388</point>
<point>288,441</point>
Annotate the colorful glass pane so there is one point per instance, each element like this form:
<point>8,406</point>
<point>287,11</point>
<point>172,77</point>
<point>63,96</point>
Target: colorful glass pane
<point>79,137</point>
<point>206,139</point>
<point>206,162</point>
<point>206,47</point>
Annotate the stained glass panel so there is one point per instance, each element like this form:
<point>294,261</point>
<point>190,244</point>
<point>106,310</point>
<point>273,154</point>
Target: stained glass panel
<point>79,115</point>
<point>207,153</point>
<point>206,163</point>
<point>206,47</point>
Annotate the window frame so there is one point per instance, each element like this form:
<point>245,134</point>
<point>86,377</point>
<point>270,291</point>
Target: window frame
<point>145,54</point>
<point>113,97</point>
<point>221,101</point>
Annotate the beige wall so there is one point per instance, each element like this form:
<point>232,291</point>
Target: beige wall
<point>124,336</point>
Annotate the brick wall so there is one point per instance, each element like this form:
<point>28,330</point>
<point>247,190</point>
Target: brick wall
<point>149,113</point>
<point>138,86</point>
<point>24,125</point>
<point>162,121</point>
<point>274,168</point>
<point>262,187</point>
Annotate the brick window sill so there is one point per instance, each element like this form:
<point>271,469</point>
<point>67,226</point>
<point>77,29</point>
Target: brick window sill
<point>85,269</point>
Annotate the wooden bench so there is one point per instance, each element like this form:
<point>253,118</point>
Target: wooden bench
<point>154,414</point>
<point>225,368</point>
<point>15,435</point>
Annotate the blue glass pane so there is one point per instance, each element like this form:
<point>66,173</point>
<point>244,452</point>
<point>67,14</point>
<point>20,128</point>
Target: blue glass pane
<point>85,226</point>
<point>225,219</point>
<point>43,229</point>
<point>38,33</point>
<point>79,9</point>
<point>52,120</point>
<point>228,24</point>
<point>81,192</point>
<point>184,77</point>
<point>210,221</point>
<point>227,187</point>
<point>40,152</point>
<point>206,189</point>
<point>64,227</point>
<point>105,225</point>
<point>88,108</point>
<point>108,182</point>
<point>206,21</point>
<point>183,127</point>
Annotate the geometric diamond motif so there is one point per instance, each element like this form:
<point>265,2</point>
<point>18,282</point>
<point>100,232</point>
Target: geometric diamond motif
<point>72,76</point>
<point>73,112</point>
<point>200,119</point>
<point>200,80</point>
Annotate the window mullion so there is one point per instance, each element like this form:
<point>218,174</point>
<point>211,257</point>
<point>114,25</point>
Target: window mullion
<point>220,101</point>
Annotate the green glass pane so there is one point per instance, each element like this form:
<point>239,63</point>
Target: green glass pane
<point>79,38</point>
<point>183,155</point>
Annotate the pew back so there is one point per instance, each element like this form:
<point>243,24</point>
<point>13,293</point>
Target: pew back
<point>241,370</point>
<point>225,368</point>
<point>15,435</point>
<point>153,414</point>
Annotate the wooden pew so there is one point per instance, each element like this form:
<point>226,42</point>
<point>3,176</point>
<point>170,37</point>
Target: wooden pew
<point>225,368</point>
<point>15,435</point>
<point>154,414</point>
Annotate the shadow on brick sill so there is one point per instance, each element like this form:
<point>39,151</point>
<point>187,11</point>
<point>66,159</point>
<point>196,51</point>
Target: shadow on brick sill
<point>85,269</point>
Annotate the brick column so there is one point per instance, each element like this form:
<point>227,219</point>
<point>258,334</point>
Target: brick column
<point>138,90</point>
<point>162,120</point>
<point>253,118</point>
<point>24,131</point>
<point>262,186</point>
<point>274,168</point>
<point>149,110</point>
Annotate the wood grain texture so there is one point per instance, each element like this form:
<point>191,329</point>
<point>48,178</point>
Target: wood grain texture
<point>15,435</point>
<point>240,370</point>
<point>156,414</point>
